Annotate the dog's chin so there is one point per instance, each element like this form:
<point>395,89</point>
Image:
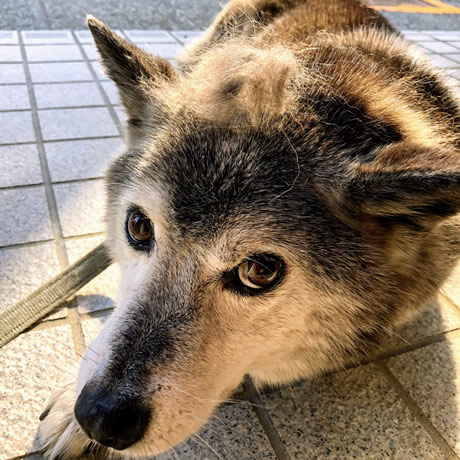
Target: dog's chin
<point>97,451</point>
<point>141,450</point>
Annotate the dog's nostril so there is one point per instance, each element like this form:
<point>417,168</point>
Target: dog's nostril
<point>110,419</point>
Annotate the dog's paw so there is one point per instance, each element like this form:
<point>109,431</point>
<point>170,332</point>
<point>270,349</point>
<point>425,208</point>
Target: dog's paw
<point>59,434</point>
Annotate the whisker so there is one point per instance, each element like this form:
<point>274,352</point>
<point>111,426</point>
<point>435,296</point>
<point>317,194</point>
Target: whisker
<point>219,401</point>
<point>298,168</point>
<point>206,424</point>
<point>91,338</point>
<point>207,445</point>
<point>171,446</point>
<point>391,332</point>
<point>83,357</point>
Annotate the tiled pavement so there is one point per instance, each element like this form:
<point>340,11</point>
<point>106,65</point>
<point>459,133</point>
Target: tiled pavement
<point>59,125</point>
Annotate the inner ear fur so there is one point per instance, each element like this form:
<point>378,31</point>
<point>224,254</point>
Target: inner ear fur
<point>135,72</point>
<point>407,185</point>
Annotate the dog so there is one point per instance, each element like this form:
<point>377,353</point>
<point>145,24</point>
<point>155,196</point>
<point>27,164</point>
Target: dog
<point>285,198</point>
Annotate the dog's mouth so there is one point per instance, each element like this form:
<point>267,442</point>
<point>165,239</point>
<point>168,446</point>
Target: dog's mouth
<point>118,428</point>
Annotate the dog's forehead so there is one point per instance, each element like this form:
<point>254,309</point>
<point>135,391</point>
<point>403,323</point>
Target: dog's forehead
<point>213,175</point>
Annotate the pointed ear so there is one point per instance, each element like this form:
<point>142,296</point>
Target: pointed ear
<point>135,72</point>
<point>406,185</point>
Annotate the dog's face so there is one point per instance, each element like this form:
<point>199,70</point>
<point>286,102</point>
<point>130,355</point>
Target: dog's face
<point>253,237</point>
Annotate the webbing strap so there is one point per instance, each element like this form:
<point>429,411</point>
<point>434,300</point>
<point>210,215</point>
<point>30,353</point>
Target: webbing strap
<point>46,298</point>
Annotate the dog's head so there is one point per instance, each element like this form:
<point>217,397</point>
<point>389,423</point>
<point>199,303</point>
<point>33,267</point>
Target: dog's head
<point>263,225</point>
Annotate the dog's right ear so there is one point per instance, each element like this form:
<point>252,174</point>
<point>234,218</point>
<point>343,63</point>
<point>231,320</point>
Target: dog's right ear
<point>136,73</point>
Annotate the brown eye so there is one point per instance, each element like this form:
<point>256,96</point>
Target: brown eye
<point>139,229</point>
<point>259,274</point>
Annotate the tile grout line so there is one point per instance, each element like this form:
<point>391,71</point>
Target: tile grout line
<point>422,343</point>
<point>61,107</point>
<point>39,242</point>
<point>268,426</point>
<point>56,182</point>
<point>176,39</point>
<point>416,412</point>
<point>104,95</point>
<point>52,82</point>
<point>173,40</point>
<point>76,328</point>
<point>84,316</point>
<point>67,139</point>
<point>57,61</point>
<point>51,199</point>
<point>450,302</point>
<point>8,188</point>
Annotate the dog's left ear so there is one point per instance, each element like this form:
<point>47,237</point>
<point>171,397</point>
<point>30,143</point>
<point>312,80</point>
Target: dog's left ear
<point>407,185</point>
<point>136,73</point>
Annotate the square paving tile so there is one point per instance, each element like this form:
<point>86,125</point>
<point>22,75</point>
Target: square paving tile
<point>14,97</point>
<point>20,165</point>
<point>455,57</point>
<point>60,72</point>
<point>349,414</point>
<point>10,54</point>
<point>97,66</point>
<point>8,37</point>
<point>76,123</point>
<point>25,216</point>
<point>22,270</point>
<point>16,127</point>
<point>438,47</point>
<point>91,52</point>
<point>442,61</point>
<point>47,37</point>
<point>31,367</point>
<point>120,111</point>
<point>101,292</point>
<point>445,36</point>
<point>53,53</point>
<point>111,91</point>
<point>67,95</point>
<point>416,36</point>
<point>84,36</point>
<point>12,73</point>
<point>166,50</point>
<point>187,36</point>
<point>149,36</point>
<point>81,207</point>
<point>70,160</point>
<point>455,44</point>
<point>431,375</point>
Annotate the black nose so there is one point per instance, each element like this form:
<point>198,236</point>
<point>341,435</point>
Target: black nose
<point>110,419</point>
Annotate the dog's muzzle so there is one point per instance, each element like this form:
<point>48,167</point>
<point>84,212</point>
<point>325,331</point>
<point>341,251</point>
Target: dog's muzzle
<point>109,418</point>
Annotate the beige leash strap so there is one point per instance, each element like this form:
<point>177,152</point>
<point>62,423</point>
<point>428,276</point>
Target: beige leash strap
<point>46,298</point>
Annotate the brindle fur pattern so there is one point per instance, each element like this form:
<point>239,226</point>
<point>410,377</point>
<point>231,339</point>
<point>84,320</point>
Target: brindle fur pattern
<point>306,129</point>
